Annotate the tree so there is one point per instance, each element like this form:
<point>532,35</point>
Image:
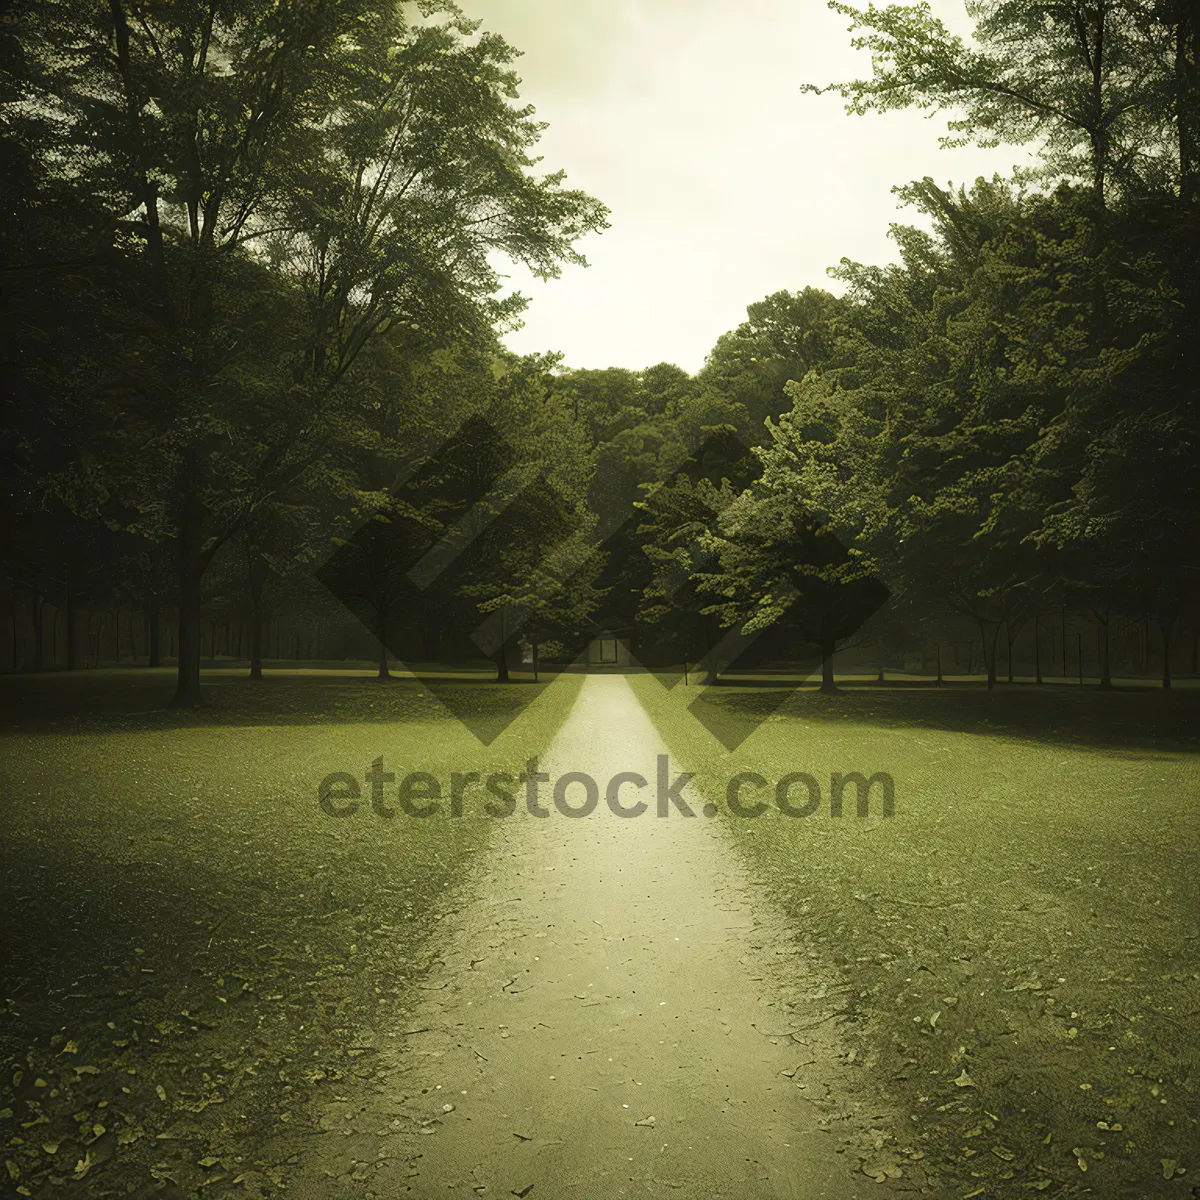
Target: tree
<point>679,514</point>
<point>785,335</point>
<point>367,164</point>
<point>1097,85</point>
<point>1063,434</point>
<point>780,566</point>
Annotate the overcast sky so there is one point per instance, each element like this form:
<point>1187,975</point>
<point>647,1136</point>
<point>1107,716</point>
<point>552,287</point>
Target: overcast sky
<point>726,183</point>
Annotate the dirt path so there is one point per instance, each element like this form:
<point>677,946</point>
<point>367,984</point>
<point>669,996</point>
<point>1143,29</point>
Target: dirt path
<point>601,1017</point>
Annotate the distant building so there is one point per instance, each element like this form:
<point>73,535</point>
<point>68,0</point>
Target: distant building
<point>609,649</point>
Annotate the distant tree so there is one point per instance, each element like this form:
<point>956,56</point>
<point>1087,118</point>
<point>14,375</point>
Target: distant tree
<point>780,566</point>
<point>677,516</point>
<point>783,337</point>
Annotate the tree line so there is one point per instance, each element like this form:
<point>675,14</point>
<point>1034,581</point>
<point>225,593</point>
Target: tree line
<point>255,377</point>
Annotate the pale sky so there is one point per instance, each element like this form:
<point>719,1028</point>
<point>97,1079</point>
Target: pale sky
<point>726,183</point>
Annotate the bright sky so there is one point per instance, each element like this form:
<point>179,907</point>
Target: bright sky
<point>726,183</point>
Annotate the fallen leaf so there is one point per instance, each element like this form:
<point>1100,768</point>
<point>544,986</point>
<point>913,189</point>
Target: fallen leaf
<point>965,1080</point>
<point>882,1169</point>
<point>646,1122</point>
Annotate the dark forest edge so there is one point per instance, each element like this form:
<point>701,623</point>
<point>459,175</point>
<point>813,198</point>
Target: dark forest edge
<point>252,343</point>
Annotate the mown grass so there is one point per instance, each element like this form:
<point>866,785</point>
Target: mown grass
<point>1028,916</point>
<point>182,915</point>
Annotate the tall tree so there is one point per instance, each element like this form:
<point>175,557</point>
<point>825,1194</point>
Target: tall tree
<point>1084,80</point>
<point>370,162</point>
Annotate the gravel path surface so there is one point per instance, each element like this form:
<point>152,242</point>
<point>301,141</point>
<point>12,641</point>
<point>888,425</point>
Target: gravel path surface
<point>603,1017</point>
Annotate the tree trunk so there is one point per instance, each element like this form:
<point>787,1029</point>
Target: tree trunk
<point>991,643</point>
<point>1165,627</point>
<point>502,675</point>
<point>1011,637</point>
<point>153,638</point>
<point>1037,647</point>
<point>256,639</point>
<point>39,632</point>
<point>828,681</point>
<point>69,622</point>
<point>711,670</point>
<point>1105,656</point>
<point>383,673</point>
<point>256,582</point>
<point>191,580</point>
<point>1064,641</point>
<point>132,641</point>
<point>879,662</point>
<point>939,664</point>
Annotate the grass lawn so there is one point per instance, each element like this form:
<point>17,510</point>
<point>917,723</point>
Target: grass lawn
<point>196,954</point>
<point>1016,951</point>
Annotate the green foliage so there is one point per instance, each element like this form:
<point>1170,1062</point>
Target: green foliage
<point>1093,83</point>
<point>783,337</point>
<point>258,193</point>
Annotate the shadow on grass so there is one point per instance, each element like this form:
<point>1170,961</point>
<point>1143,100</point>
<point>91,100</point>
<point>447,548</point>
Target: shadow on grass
<point>190,984</point>
<point>141,699</point>
<point>1128,719</point>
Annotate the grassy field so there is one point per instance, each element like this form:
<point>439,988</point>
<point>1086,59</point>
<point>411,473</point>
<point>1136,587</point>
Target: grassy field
<point>1016,951</point>
<point>195,954</point>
